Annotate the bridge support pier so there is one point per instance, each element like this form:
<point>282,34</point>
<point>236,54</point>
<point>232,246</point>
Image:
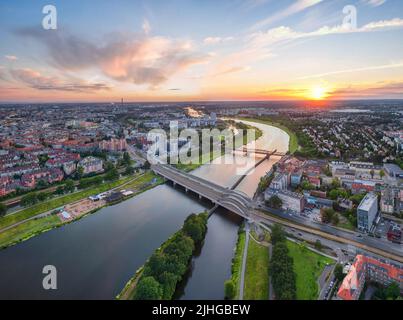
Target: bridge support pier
<point>200,197</point>
<point>186,190</point>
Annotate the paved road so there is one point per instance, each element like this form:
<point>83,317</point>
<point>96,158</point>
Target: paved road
<point>244,259</point>
<point>271,291</point>
<point>369,242</point>
<point>323,283</point>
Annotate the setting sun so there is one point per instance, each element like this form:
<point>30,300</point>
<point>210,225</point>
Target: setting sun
<point>318,93</point>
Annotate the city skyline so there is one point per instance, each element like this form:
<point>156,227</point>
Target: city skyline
<point>192,50</point>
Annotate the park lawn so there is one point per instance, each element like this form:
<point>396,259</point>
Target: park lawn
<point>308,266</point>
<point>58,202</point>
<point>28,229</point>
<point>293,144</point>
<point>257,272</point>
<point>141,180</point>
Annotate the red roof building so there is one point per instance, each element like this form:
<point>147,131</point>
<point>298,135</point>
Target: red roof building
<point>369,269</point>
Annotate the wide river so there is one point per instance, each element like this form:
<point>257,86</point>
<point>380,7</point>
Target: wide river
<point>97,255</point>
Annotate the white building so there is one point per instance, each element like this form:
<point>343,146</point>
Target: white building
<point>91,164</point>
<point>280,182</point>
<point>367,212</point>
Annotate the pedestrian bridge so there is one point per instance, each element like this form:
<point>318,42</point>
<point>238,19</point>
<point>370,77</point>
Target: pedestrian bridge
<point>233,200</point>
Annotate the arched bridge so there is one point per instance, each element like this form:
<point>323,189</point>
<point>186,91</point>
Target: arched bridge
<point>264,152</point>
<point>233,200</point>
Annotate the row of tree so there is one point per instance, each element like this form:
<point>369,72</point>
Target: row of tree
<point>281,269</point>
<point>167,265</point>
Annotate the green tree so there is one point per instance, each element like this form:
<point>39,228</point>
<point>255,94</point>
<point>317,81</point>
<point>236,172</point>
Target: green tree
<point>392,291</point>
<point>274,202</point>
<point>42,196</point>
<point>282,273</point>
<point>230,291</point>
<point>112,174</point>
<point>318,245</point>
<point>80,172</point>
<point>168,283</point>
<point>126,158</point>
<point>335,219</point>
<point>338,272</point>
<point>277,234</point>
<point>335,183</point>
<point>59,190</point>
<point>327,215</point>
<point>3,209</point>
<point>69,185</point>
<point>182,247</point>
<point>29,199</point>
<point>195,227</point>
<point>148,289</point>
<point>129,170</point>
<point>146,165</point>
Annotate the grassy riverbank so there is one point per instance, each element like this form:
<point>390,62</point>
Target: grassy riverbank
<point>31,228</point>
<point>293,143</point>
<point>158,278</point>
<point>308,266</point>
<point>257,272</point>
<point>203,160</point>
<point>58,202</point>
<point>236,267</point>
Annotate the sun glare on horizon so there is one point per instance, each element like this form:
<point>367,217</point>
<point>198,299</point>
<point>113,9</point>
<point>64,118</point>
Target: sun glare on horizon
<point>318,93</point>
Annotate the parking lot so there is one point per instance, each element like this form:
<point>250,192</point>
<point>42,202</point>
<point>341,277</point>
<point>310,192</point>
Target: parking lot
<point>383,227</point>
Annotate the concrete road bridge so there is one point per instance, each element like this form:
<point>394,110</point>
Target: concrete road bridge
<point>233,200</point>
<point>239,203</point>
<point>267,153</point>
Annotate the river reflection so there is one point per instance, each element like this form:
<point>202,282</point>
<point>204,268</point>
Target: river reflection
<point>97,255</point>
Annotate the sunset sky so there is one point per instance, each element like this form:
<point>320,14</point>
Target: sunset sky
<point>174,50</point>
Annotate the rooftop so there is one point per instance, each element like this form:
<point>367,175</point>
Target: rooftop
<point>368,201</point>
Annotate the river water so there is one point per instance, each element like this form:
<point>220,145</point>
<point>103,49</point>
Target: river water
<point>97,255</point>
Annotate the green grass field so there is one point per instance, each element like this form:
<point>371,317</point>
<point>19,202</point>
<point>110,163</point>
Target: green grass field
<point>257,272</point>
<point>308,266</point>
<point>58,202</point>
<point>28,229</point>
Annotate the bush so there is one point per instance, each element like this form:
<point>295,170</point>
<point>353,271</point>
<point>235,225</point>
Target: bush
<point>274,202</point>
<point>3,209</point>
<point>229,289</point>
<point>148,289</point>
<point>167,265</point>
<point>277,234</point>
<point>338,272</point>
<point>282,267</point>
<point>29,200</point>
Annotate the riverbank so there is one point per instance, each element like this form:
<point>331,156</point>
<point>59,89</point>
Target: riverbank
<point>204,160</point>
<point>36,226</point>
<point>58,202</point>
<point>236,267</point>
<point>159,276</point>
<point>293,145</point>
